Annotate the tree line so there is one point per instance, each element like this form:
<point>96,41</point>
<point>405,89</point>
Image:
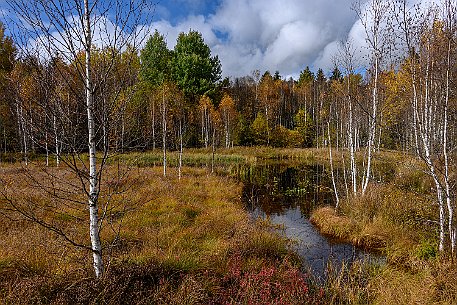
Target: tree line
<point>157,94</point>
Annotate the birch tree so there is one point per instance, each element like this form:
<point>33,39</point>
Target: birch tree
<point>228,113</point>
<point>450,28</point>
<point>73,29</point>
<point>347,58</point>
<point>206,107</point>
<point>155,70</point>
<point>430,42</point>
<point>337,198</point>
<point>373,18</point>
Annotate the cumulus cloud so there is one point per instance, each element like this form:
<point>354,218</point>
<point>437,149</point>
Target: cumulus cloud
<point>327,56</point>
<point>198,23</point>
<point>283,35</point>
<point>279,35</point>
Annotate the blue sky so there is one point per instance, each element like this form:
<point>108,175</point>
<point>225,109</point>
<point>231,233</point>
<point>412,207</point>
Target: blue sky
<point>248,35</point>
<point>176,11</point>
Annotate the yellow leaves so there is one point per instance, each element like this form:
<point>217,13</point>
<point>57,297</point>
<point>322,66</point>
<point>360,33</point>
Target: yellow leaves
<point>337,88</point>
<point>227,102</point>
<point>394,101</point>
<point>205,103</point>
<point>25,80</point>
<point>207,109</point>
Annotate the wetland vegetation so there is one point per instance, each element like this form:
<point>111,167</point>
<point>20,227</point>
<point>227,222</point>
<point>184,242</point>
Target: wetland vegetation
<point>133,173</point>
<point>238,235</point>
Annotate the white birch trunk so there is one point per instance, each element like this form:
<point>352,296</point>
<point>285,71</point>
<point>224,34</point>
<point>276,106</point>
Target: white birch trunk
<point>353,163</point>
<point>425,137</point>
<point>207,124</point>
<point>372,126</point>
<point>447,188</point>
<point>415,105</point>
<point>24,139</point>
<point>227,129</point>
<point>331,167</point>
<point>22,132</point>
<point>164,133</point>
<point>93,176</point>
<point>56,140</point>
<point>346,188</point>
<point>213,150</point>
<point>352,143</point>
<point>180,150</point>
<point>203,126</point>
<point>105,127</point>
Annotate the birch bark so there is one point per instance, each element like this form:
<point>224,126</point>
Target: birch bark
<point>93,180</point>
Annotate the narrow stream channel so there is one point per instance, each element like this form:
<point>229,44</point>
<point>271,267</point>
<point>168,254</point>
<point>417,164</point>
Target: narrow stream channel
<point>286,194</point>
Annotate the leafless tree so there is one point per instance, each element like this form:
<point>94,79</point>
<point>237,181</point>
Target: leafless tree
<point>73,30</point>
<point>373,17</point>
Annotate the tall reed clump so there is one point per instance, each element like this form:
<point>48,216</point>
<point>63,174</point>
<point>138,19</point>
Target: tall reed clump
<point>166,241</point>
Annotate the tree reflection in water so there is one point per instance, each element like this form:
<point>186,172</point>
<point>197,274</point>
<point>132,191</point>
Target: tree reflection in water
<point>286,194</point>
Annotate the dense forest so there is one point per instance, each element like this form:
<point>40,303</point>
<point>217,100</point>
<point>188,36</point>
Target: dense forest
<point>402,97</point>
<point>158,95</point>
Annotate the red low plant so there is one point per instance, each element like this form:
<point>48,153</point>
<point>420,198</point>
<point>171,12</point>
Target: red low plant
<point>278,283</point>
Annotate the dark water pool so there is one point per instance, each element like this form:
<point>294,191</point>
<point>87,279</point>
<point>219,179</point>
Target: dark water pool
<point>286,194</point>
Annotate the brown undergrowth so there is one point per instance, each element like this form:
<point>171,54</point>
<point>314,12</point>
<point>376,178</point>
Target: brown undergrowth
<point>166,241</point>
<point>397,218</point>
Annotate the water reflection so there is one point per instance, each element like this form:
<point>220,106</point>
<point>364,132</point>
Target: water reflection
<point>286,195</point>
<point>276,187</point>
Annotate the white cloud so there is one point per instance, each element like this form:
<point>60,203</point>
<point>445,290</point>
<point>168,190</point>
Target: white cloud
<point>326,57</point>
<point>283,35</point>
<point>300,30</point>
<point>288,35</point>
<point>197,23</point>
<point>294,44</point>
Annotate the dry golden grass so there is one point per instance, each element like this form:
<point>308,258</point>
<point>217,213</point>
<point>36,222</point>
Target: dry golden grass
<point>191,242</point>
<point>167,241</point>
<point>395,217</point>
<point>332,224</point>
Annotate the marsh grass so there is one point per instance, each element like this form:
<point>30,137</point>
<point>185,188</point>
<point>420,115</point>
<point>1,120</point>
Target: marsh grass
<point>188,241</point>
<point>166,241</point>
<point>223,156</point>
<point>351,283</point>
<point>398,217</point>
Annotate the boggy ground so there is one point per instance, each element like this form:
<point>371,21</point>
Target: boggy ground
<point>189,241</point>
<point>397,217</point>
<point>166,241</point>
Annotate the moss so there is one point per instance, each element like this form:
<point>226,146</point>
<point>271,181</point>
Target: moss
<point>427,249</point>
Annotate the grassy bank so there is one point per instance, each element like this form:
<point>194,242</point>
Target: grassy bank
<point>397,218</point>
<point>167,241</point>
<point>224,156</point>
